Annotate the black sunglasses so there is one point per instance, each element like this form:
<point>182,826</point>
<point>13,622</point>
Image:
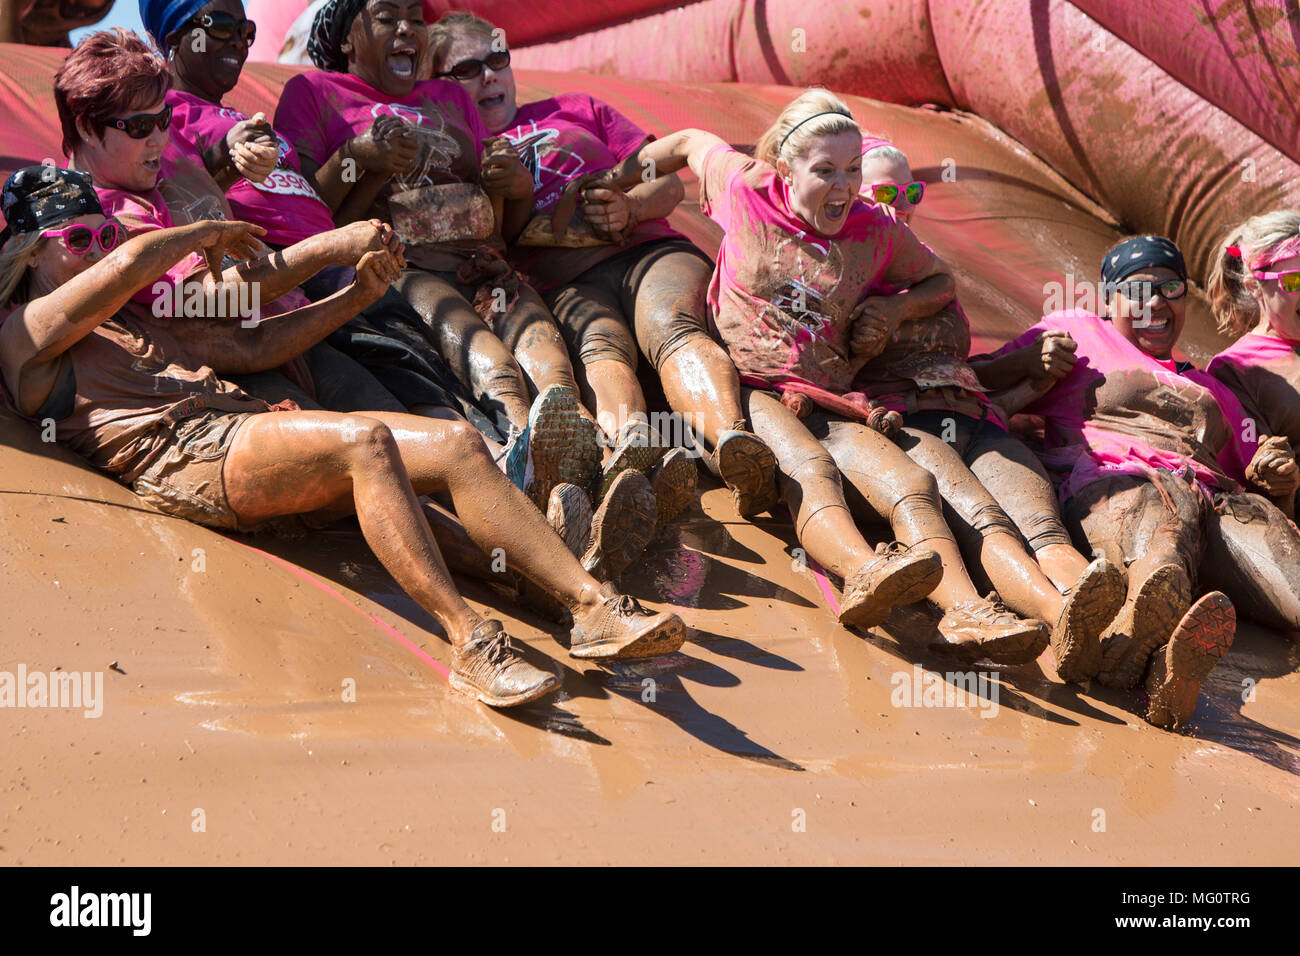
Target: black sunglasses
<point>468,69</point>
<point>1140,291</point>
<point>142,124</point>
<point>223,27</point>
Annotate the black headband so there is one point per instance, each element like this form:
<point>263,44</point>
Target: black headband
<point>1141,252</point>
<point>38,197</point>
<point>329,31</point>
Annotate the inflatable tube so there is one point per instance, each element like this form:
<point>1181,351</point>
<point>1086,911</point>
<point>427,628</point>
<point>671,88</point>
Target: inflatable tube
<point>1242,57</point>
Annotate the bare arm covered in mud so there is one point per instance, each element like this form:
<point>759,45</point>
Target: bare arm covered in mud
<point>232,348</point>
<point>1050,356</point>
<point>38,332</point>
<point>277,273</point>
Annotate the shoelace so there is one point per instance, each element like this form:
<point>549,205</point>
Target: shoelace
<point>626,606</point>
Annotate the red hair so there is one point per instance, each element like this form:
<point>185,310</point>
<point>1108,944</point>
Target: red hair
<point>109,73</point>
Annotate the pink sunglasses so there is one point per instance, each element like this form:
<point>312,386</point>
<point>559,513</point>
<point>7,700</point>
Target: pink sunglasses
<point>79,240</point>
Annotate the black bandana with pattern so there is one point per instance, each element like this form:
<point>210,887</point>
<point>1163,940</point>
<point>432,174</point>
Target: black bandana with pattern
<point>38,197</point>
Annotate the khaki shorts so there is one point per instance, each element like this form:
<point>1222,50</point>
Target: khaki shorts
<point>186,480</point>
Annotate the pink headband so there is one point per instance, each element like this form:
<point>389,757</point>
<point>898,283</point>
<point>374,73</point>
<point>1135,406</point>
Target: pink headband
<point>1263,260</point>
<point>874,142</point>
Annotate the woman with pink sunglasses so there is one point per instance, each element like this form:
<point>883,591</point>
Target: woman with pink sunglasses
<point>1254,290</point>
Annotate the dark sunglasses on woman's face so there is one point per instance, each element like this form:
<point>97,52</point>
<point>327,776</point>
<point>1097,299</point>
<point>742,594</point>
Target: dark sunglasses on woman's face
<point>468,69</point>
<point>142,124</point>
<point>224,27</point>
<point>1140,290</point>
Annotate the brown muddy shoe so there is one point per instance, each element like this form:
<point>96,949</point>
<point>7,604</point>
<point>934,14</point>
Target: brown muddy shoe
<point>620,629</point>
<point>747,466</point>
<point>562,444</point>
<point>1179,668</point>
<point>674,482</point>
<point>898,575</point>
<point>569,513</point>
<point>623,526</point>
<point>1090,605</point>
<point>1143,624</point>
<point>636,447</point>
<point>986,630</point>
<point>489,668</point>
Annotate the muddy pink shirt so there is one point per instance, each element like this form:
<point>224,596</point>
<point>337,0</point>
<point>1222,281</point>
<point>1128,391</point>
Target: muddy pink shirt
<point>560,139</point>
<point>320,111</point>
<point>782,295</point>
<point>1120,410</point>
<point>1264,372</point>
<point>285,204</point>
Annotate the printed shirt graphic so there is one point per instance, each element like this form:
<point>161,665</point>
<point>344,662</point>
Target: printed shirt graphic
<point>1121,410</point>
<point>320,111</point>
<point>1264,372</point>
<point>285,203</point>
<point>781,296</point>
<point>559,139</point>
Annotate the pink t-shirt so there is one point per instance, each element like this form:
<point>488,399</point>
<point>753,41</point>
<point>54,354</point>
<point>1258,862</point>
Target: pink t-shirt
<point>781,295</point>
<point>1264,372</point>
<point>320,111</point>
<point>1120,410</point>
<point>285,203</point>
<point>559,139</point>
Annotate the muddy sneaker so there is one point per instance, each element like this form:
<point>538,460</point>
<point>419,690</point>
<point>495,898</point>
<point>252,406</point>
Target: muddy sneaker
<point>515,460</point>
<point>1143,624</point>
<point>623,526</point>
<point>489,668</point>
<point>562,442</point>
<point>636,447</point>
<point>986,630</point>
<point>1179,668</point>
<point>569,513</point>
<point>674,482</point>
<point>747,466</point>
<point>898,575</point>
<point>1090,605</point>
<point>620,629</point>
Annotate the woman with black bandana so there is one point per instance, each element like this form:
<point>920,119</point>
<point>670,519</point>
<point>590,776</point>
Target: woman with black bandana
<point>1150,458</point>
<point>378,141</point>
<point>143,399</point>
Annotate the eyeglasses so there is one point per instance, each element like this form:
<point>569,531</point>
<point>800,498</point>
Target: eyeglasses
<point>887,193</point>
<point>1139,290</point>
<point>223,27</point>
<point>1288,282</point>
<point>468,69</point>
<point>81,239</point>
<point>142,124</point>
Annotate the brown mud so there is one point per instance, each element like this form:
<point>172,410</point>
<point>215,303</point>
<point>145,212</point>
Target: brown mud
<point>228,699</point>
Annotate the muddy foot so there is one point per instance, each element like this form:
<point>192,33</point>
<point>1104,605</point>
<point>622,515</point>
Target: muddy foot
<point>1143,624</point>
<point>1179,668</point>
<point>1090,606</point>
<point>898,575</point>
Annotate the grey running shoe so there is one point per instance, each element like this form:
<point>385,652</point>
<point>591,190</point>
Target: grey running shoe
<point>623,526</point>
<point>1090,605</point>
<point>987,630</point>
<point>489,668</point>
<point>562,444</point>
<point>619,628</point>
<point>898,575</point>
<point>1179,668</point>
